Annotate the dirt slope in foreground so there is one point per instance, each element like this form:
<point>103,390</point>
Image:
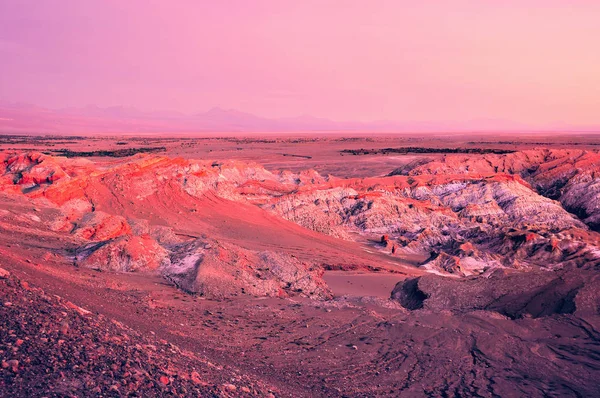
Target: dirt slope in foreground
<point>349,346</point>
<point>52,347</point>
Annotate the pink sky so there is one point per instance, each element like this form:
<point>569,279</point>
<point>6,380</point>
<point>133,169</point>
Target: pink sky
<point>530,61</point>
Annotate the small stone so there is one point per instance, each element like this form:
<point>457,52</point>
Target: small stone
<point>164,380</point>
<point>245,389</point>
<point>7,304</point>
<point>80,310</point>
<point>195,377</point>
<point>19,342</point>
<point>4,273</point>
<point>230,387</point>
<point>354,347</point>
<point>14,365</point>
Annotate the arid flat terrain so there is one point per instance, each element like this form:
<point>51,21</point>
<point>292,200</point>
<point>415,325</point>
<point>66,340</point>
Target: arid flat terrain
<point>300,264</point>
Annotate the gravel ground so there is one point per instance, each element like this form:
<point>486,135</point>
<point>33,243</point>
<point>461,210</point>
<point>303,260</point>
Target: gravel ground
<point>50,347</point>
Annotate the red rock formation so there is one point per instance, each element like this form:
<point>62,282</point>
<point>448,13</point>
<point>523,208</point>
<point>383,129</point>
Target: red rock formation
<point>429,207</point>
<point>101,226</point>
<point>124,254</point>
<point>218,270</point>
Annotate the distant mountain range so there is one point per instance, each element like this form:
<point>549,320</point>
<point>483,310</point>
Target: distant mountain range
<point>27,118</point>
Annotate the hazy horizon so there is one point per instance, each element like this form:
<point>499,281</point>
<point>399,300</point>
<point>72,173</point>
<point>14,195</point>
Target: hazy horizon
<point>526,62</point>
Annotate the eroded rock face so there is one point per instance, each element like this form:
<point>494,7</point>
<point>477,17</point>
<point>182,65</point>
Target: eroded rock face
<point>513,294</point>
<point>31,169</point>
<point>322,211</point>
<point>164,235</point>
<point>463,214</point>
<point>489,201</point>
<point>124,254</point>
<point>435,217</point>
<point>570,176</point>
<point>100,226</point>
<point>218,270</point>
<point>111,207</point>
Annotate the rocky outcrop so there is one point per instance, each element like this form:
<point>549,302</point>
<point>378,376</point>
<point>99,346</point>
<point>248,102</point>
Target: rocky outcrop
<point>163,234</point>
<point>569,176</point>
<point>32,170</point>
<point>513,294</point>
<point>322,211</point>
<point>218,270</point>
<point>100,226</point>
<point>124,254</point>
<point>128,212</point>
<point>434,217</point>
<point>502,205</point>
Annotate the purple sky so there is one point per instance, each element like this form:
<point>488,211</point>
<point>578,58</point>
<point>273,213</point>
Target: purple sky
<point>530,61</point>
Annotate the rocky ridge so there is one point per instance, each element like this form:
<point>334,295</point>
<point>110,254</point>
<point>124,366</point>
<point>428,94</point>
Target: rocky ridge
<point>462,215</point>
<point>76,192</point>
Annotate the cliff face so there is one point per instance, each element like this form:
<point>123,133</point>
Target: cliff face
<point>569,176</point>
